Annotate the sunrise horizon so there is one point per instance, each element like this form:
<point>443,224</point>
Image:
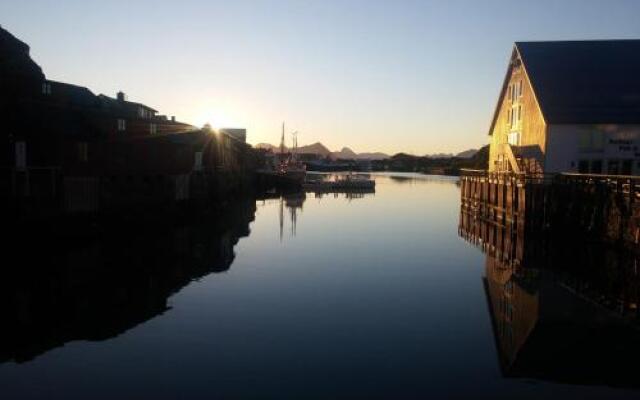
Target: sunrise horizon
<point>415,78</point>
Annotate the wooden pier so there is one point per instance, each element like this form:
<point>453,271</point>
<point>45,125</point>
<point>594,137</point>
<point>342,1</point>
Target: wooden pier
<point>586,206</point>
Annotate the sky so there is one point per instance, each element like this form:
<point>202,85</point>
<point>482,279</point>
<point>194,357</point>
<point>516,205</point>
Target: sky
<point>419,77</point>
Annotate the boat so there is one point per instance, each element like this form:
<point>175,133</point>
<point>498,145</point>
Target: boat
<point>289,167</point>
<point>352,181</point>
<point>349,182</point>
<point>288,170</point>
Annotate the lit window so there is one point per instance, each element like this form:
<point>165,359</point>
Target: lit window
<point>122,125</point>
<point>514,138</point>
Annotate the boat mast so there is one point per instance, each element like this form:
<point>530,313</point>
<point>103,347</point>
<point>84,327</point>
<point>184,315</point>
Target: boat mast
<point>282,142</point>
<point>294,152</point>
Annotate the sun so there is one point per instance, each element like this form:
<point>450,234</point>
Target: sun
<point>217,119</point>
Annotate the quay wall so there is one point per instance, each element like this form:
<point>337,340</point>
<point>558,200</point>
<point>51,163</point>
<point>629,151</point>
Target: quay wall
<point>561,207</point>
<point>37,194</point>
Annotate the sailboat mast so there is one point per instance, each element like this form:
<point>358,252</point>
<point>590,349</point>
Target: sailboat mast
<point>282,141</point>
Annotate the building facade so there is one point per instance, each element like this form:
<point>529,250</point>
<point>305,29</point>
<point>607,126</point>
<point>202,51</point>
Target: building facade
<point>238,134</point>
<point>569,107</point>
<point>48,123</point>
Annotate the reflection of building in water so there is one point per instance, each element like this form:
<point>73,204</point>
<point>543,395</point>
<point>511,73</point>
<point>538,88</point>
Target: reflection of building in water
<point>108,287</point>
<point>562,314</point>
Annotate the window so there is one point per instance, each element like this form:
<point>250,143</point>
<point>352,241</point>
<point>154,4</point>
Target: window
<point>591,141</point>
<point>520,89</point>
<point>198,161</point>
<point>514,138</point>
<point>46,88</point>
<point>519,113</point>
<point>153,129</point>
<point>613,167</point>
<point>583,166</point>
<point>21,154</point>
<point>596,166</point>
<point>141,112</point>
<point>626,167</point>
<point>597,141</point>
<point>508,116</point>
<point>122,125</point>
<point>83,152</point>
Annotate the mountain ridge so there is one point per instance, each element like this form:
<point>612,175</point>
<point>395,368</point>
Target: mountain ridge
<point>349,154</point>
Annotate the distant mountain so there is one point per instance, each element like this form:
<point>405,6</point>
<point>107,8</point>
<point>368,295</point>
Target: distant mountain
<point>467,153</point>
<point>373,156</point>
<point>439,155</point>
<point>323,151</point>
<point>404,162</point>
<point>315,148</point>
<point>346,154</point>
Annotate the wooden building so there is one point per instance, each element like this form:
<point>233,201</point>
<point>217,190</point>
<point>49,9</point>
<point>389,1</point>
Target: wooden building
<point>63,147</point>
<point>48,123</point>
<point>569,106</point>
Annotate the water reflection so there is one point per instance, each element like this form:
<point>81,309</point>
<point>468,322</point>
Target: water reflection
<point>349,193</point>
<point>291,205</point>
<point>97,291</point>
<point>561,311</point>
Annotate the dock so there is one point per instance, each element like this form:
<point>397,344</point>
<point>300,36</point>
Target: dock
<point>597,207</point>
<point>345,183</point>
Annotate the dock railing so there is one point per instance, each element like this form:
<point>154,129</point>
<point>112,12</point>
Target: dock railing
<point>600,207</point>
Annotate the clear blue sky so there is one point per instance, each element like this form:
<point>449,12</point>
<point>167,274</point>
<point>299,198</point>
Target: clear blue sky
<point>413,76</point>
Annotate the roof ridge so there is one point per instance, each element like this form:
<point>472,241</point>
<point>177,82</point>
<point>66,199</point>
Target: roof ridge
<point>577,41</point>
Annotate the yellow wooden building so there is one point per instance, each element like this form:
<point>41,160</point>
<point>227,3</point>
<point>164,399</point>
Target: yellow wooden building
<point>569,106</point>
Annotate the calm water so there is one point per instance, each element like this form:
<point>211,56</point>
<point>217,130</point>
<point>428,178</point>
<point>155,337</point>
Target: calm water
<point>370,296</point>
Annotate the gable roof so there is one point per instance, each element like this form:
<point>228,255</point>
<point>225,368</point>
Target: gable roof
<point>15,59</point>
<point>585,82</point>
<point>74,95</point>
<point>115,103</point>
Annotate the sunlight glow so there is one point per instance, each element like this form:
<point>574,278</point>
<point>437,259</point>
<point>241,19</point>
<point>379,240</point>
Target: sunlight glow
<point>217,119</point>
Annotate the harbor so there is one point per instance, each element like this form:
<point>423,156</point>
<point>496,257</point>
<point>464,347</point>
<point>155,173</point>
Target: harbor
<point>274,271</point>
<point>320,200</point>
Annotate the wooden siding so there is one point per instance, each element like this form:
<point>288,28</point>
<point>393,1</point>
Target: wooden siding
<point>532,127</point>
